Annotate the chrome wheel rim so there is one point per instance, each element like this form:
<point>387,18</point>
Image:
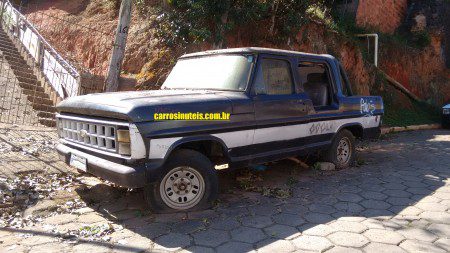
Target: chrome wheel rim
<point>182,188</point>
<point>344,150</point>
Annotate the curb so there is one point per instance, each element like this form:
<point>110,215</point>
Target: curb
<point>386,130</point>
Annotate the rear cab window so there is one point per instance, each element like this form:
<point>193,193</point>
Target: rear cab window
<point>316,81</point>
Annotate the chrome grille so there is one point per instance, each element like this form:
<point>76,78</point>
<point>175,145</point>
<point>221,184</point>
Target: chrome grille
<point>95,134</point>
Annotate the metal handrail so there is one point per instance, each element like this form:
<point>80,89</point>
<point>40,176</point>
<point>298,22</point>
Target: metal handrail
<point>22,21</point>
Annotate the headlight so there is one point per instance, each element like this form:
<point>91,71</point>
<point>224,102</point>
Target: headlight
<point>123,139</point>
<point>446,111</point>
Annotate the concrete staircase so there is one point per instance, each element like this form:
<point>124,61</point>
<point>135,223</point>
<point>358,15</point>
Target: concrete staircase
<point>29,84</point>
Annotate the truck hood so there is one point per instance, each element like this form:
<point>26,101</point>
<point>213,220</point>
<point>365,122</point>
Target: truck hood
<point>139,106</point>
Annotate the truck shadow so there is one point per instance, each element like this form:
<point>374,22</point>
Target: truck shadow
<point>390,190</point>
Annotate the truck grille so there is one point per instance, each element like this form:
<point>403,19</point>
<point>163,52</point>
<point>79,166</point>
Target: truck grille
<point>99,135</point>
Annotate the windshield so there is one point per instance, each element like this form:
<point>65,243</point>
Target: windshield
<point>218,72</point>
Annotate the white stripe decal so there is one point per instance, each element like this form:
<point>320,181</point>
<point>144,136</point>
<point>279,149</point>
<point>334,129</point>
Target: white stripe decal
<point>159,147</point>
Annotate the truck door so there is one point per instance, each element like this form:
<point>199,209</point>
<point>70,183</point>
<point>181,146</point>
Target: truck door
<point>278,107</point>
<point>323,103</point>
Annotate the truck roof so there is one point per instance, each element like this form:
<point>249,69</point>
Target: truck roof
<point>244,50</point>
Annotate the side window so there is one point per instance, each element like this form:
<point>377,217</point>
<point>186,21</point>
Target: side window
<point>316,83</point>
<point>273,77</point>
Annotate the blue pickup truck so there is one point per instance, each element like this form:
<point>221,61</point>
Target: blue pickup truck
<point>277,104</point>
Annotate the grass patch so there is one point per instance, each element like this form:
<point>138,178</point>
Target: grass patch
<point>420,113</point>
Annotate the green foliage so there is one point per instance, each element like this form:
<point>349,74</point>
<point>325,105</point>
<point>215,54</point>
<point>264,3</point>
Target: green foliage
<point>195,21</point>
<point>420,113</point>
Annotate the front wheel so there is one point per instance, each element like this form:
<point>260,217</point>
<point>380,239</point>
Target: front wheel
<point>188,182</point>
<point>342,150</point>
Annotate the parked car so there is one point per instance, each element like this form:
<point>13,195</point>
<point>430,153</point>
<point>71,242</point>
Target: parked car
<point>446,116</point>
<point>280,104</point>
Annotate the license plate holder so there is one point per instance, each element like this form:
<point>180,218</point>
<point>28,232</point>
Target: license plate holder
<point>78,162</point>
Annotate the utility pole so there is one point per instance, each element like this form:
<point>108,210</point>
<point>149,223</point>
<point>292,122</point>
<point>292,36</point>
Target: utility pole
<point>115,66</point>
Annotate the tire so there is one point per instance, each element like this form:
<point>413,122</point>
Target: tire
<point>338,157</point>
<point>188,182</point>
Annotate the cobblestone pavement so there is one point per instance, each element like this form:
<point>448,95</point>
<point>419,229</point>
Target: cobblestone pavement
<point>397,200</point>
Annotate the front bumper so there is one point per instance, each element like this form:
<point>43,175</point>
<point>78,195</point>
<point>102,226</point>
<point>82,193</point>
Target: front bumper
<point>123,175</point>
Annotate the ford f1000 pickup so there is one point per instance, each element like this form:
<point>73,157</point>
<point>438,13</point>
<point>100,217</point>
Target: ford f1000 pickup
<point>239,107</point>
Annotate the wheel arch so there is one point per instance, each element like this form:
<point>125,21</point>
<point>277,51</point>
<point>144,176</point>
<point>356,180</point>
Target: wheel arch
<point>208,145</point>
<point>355,128</point>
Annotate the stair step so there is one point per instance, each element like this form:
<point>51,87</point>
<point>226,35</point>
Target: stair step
<point>4,46</point>
<point>31,86</point>
<point>40,101</point>
<point>48,122</point>
<point>44,108</point>
<point>47,115</point>
<point>35,93</point>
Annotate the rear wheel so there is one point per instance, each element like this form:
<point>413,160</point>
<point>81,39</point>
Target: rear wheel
<point>342,150</point>
<point>189,182</point>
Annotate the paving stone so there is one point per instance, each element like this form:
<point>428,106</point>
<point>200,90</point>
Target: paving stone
<point>238,247</point>
<point>352,218</point>
<point>418,234</point>
<point>279,246</point>
<point>350,188</point>
<point>409,211</point>
<point>348,226</point>
<point>419,191</point>
<point>36,240</point>
<point>433,207</point>
<point>348,239</point>
<point>60,219</point>
<point>442,195</point>
<point>318,230</point>
<point>211,237</point>
<point>371,213</point>
<point>349,208</point>
<point>348,197</point>
<point>397,201</point>
<point>313,243</point>
<point>13,248</point>
<point>383,236</point>
<point>91,218</point>
<point>49,248</point>
<point>339,249</point>
<point>444,243</point>
<point>198,249</point>
<point>153,230</point>
<point>172,242</point>
<point>394,186</point>
<point>281,231</point>
<point>373,195</point>
<point>420,247</point>
<point>295,209</point>
<point>429,199</point>
<point>249,235</point>
<point>441,230</point>
<point>266,209</point>
<point>322,208</point>
<point>318,217</point>
<point>224,224</point>
<point>373,223</point>
<point>374,204</point>
<point>288,219</point>
<point>257,221</point>
<point>397,193</point>
<point>90,247</point>
<point>436,217</point>
<point>375,247</point>
<point>188,226</point>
